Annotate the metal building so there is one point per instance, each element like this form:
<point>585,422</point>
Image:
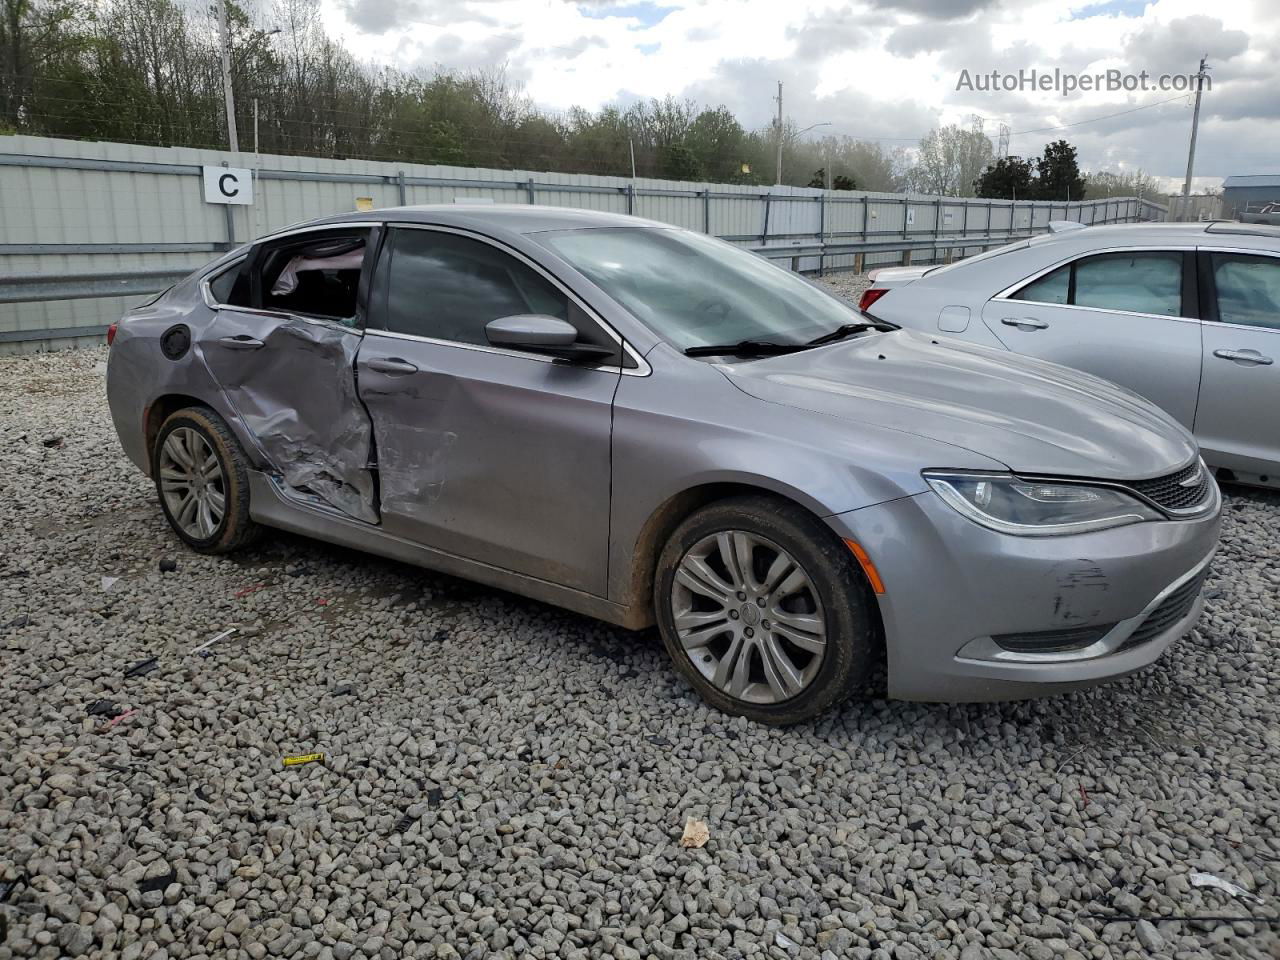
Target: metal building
<point>1254,199</point>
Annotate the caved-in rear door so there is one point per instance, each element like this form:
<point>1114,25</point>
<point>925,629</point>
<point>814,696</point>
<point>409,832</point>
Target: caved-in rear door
<point>286,363</point>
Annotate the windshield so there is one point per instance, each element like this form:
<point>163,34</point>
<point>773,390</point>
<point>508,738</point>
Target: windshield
<point>693,290</point>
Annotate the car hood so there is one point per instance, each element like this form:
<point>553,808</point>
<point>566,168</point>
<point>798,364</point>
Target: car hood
<point>1032,416</point>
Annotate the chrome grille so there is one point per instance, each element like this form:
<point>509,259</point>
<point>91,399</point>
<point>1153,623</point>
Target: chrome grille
<point>1169,491</point>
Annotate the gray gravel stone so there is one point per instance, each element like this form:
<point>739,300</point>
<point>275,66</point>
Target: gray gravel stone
<point>504,779</point>
<point>1149,936</point>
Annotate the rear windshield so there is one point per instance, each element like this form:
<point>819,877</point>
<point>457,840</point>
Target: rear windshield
<point>987,255</point>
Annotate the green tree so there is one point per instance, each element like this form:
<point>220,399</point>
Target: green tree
<point>1007,179</point>
<point>716,139</point>
<point>1108,184</point>
<point>677,162</point>
<point>949,160</point>
<point>1059,174</point>
<point>35,35</point>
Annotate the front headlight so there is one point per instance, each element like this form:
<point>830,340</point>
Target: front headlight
<point>1035,508</point>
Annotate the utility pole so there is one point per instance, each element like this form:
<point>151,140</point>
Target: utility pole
<point>1195,125</point>
<point>233,139</point>
<point>778,182</point>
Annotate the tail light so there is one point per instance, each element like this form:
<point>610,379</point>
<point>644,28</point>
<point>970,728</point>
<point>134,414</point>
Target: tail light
<point>111,334</point>
<point>870,296</point>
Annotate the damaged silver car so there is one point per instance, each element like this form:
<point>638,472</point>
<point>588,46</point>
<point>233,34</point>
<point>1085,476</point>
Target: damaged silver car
<point>651,426</point>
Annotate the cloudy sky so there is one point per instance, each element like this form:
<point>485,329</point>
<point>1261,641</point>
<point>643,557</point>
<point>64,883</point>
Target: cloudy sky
<point>877,69</point>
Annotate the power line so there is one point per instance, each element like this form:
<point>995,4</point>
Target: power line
<point>1108,116</point>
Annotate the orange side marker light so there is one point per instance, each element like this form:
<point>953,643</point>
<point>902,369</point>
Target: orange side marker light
<point>864,561</point>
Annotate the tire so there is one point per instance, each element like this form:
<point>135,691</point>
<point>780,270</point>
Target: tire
<point>829,595</point>
<point>197,519</point>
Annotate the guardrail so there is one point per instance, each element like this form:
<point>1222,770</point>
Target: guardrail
<point>943,245</point>
<point>34,288</point>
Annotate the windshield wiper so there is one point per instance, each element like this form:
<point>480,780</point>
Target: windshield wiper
<point>849,329</point>
<point>745,348</point>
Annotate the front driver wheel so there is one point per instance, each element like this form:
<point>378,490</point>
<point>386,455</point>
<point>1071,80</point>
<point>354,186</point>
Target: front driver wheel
<point>762,608</point>
<point>203,481</point>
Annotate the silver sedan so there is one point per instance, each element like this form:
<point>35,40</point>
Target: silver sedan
<point>1185,314</point>
<point>650,426</point>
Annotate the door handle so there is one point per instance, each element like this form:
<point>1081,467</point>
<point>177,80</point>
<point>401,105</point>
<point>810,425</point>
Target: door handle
<point>393,366</point>
<point>241,341</point>
<point>1031,323</point>
<point>1244,356</point>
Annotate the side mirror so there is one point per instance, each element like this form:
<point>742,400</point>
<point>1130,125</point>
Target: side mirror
<point>538,333</point>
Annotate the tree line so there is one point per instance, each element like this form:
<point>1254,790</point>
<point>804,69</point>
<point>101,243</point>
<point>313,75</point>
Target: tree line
<point>960,162</point>
<point>148,71</point>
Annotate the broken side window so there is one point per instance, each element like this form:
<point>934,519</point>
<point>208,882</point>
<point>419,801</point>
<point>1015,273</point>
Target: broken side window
<point>316,278</point>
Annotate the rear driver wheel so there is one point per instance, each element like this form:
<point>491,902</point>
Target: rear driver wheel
<point>203,482</point>
<point>762,608</point>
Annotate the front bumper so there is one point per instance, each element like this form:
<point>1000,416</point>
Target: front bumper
<point>951,586</point>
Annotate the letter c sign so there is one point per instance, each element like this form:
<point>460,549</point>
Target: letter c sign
<point>228,185</point>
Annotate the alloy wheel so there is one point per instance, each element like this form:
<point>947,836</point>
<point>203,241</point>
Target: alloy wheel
<point>748,617</point>
<point>192,483</point>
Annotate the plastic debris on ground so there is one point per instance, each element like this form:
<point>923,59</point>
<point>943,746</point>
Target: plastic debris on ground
<point>142,667</point>
<point>121,718</point>
<point>152,884</point>
<point>108,583</point>
<point>203,649</point>
<point>404,823</point>
<point>782,940</point>
<point>9,887</point>
<point>300,759</point>
<point>168,565</point>
<point>1226,886</point>
<point>103,708</point>
<point>696,833</point>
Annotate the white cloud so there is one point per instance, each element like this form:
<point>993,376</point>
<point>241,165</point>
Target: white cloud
<point>874,68</point>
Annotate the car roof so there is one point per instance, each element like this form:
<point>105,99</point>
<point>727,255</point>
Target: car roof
<point>508,217</point>
<point>1123,234</point>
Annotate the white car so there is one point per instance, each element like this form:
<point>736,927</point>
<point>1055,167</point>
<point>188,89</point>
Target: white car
<point>1185,314</point>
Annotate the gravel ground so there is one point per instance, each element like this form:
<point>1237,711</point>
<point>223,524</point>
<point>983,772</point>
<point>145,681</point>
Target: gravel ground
<point>504,779</point>
<point>847,284</point>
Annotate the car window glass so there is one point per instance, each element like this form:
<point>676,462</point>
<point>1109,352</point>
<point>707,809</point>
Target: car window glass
<point>448,287</point>
<point>692,289</point>
<point>1248,290</point>
<point>1051,288</point>
<point>230,286</point>
<point>318,277</point>
<point>1138,282</point>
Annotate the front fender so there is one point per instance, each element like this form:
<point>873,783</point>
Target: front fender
<point>686,429</point>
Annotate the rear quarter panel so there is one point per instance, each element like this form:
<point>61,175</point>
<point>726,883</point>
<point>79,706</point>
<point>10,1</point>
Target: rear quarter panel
<point>139,374</point>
